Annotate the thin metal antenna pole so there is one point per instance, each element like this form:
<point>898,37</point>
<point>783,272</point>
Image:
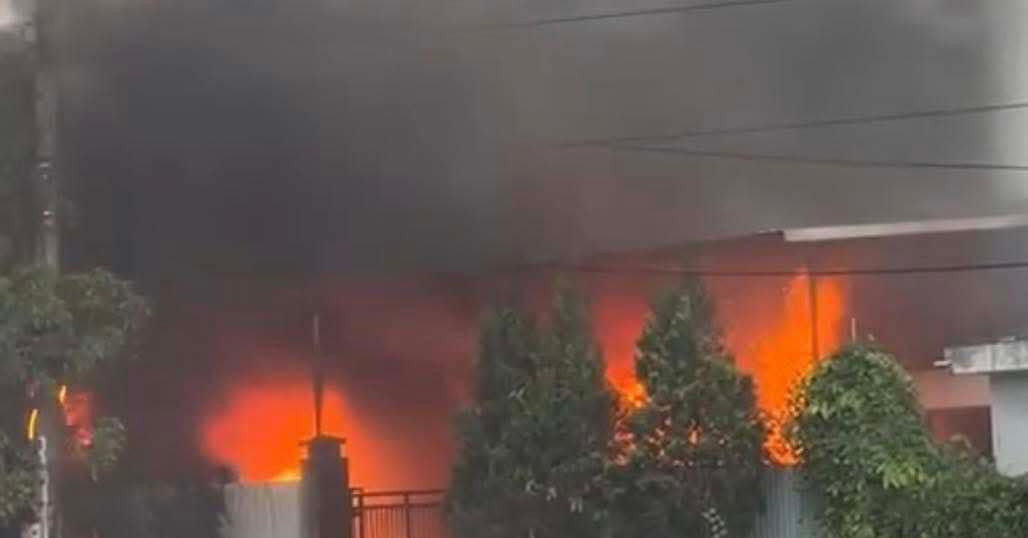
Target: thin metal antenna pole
<point>814,343</point>
<point>318,375</point>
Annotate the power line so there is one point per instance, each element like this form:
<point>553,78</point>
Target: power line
<point>841,163</point>
<point>627,14</point>
<point>656,270</point>
<point>790,126</point>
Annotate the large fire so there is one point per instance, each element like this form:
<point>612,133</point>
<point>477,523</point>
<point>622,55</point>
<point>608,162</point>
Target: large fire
<point>768,329</point>
<point>258,424</point>
<point>259,429</point>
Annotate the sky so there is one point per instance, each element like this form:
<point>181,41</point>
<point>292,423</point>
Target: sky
<point>365,137</point>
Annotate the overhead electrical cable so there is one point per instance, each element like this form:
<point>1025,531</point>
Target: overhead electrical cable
<point>821,161</point>
<point>659,270</point>
<point>712,6</point>
<point>801,125</point>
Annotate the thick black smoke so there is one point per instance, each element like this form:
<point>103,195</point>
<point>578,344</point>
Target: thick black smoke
<point>261,137</point>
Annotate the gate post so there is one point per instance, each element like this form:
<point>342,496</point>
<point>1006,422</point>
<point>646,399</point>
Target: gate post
<point>326,501</point>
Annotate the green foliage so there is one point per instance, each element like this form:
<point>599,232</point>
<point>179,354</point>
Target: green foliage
<point>61,328</point>
<point>58,330</point>
<point>536,442</point>
<point>193,510</point>
<point>868,455</point>
<point>18,477</point>
<point>188,508</point>
<point>109,441</point>
<point>693,464</point>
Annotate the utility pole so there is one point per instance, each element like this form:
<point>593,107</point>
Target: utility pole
<point>41,41</point>
<point>317,376</point>
<point>815,345</point>
<point>46,186</point>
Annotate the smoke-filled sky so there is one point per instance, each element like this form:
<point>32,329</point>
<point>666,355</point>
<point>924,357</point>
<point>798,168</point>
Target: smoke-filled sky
<point>251,135</point>
<point>281,140</point>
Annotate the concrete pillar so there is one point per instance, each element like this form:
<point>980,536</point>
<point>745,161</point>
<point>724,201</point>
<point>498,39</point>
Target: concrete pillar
<point>1009,394</point>
<point>1006,364</point>
<point>325,500</point>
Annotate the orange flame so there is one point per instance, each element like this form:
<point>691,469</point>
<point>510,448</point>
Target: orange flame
<point>778,351</point>
<point>78,414</point>
<point>260,429</point>
<point>33,421</point>
<point>767,328</point>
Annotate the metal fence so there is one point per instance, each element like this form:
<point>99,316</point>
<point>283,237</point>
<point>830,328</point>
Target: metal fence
<point>789,511</point>
<point>399,514</point>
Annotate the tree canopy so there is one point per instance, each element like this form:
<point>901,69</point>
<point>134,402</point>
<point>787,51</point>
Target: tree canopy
<point>867,453</point>
<point>536,441</point>
<point>694,456</point>
<point>57,330</point>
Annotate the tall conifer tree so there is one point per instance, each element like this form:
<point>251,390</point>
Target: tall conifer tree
<point>692,467</point>
<point>536,442</point>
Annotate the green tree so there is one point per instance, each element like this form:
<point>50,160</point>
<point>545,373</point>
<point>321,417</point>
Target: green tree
<point>866,452</point>
<point>535,445</point>
<point>57,330</point>
<point>694,456</point>
<point>483,498</point>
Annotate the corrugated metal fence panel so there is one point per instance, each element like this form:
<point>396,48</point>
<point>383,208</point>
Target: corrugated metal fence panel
<point>790,511</point>
<point>262,511</point>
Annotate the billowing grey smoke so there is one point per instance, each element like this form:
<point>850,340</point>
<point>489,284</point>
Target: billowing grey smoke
<point>248,135</point>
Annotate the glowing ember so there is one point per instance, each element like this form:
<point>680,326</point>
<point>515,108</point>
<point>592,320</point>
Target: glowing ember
<point>78,414</point>
<point>631,392</point>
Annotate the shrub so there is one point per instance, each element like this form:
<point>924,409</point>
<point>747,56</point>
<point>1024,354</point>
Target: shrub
<point>867,453</point>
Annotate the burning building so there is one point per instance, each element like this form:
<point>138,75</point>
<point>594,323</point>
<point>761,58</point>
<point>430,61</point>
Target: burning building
<point>408,153</point>
<point>399,352</point>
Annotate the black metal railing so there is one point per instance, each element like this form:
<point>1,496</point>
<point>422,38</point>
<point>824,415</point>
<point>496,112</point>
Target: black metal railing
<point>399,514</point>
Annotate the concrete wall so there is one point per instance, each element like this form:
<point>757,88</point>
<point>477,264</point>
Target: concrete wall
<point>1010,422</point>
<point>940,389</point>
